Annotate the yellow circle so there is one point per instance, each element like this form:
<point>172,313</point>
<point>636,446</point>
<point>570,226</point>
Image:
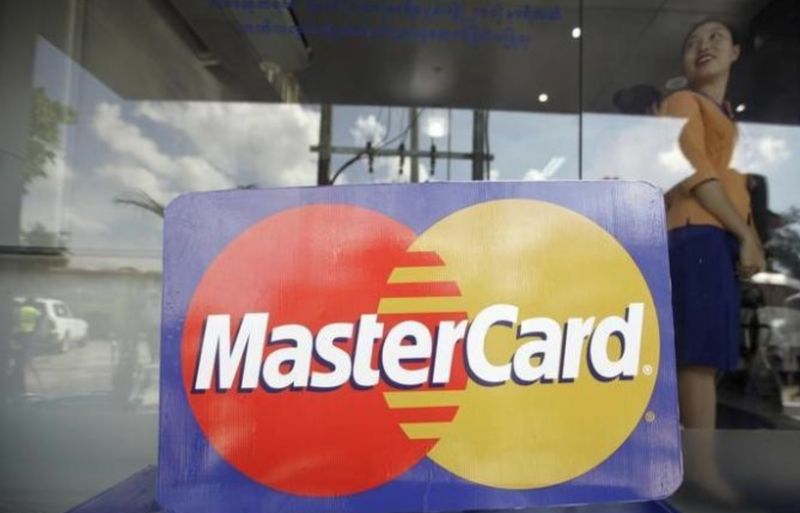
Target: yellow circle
<point>550,262</point>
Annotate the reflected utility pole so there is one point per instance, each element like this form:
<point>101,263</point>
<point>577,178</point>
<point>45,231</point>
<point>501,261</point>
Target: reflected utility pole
<point>480,159</point>
<point>414,133</point>
<point>324,161</point>
<point>480,155</point>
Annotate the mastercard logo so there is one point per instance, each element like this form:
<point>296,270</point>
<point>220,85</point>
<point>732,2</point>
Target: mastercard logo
<point>328,348</point>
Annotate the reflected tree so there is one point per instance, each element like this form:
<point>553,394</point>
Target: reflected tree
<point>139,198</point>
<point>784,244</point>
<point>40,237</point>
<point>47,118</point>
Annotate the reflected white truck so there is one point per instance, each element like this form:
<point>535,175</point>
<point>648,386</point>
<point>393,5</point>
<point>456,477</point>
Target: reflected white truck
<point>58,328</point>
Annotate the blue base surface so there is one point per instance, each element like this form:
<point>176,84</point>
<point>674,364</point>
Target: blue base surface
<point>137,493</point>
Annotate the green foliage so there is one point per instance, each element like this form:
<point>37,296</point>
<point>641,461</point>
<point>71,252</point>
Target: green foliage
<point>47,117</point>
<point>139,198</point>
<point>40,237</point>
<point>784,244</point>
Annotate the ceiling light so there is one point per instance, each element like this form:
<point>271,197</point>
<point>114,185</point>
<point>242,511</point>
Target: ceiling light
<point>543,98</point>
<point>576,33</point>
<point>436,125</point>
<point>741,107</point>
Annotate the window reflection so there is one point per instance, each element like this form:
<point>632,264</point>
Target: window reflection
<point>110,165</point>
<point>644,147</point>
<point>95,150</point>
<point>388,130</point>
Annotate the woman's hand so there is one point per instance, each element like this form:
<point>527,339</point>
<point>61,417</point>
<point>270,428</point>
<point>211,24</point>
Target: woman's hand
<point>751,257</point>
<point>714,199</point>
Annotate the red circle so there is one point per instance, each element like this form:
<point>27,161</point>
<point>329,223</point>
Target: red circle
<point>311,266</point>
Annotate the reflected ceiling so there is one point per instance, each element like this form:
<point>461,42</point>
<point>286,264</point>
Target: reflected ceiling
<point>625,42</point>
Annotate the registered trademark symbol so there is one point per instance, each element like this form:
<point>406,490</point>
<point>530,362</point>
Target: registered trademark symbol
<point>649,416</point>
<point>647,370</point>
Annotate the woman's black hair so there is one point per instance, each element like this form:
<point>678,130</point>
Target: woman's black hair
<point>735,37</point>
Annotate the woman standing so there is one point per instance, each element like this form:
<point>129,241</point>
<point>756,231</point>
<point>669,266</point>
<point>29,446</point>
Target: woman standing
<point>711,234</point>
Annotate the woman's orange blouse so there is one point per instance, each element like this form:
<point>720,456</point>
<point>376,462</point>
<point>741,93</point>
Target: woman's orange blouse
<point>707,141</point>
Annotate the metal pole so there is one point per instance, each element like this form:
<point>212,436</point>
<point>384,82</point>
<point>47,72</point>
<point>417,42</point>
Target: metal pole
<point>392,152</point>
<point>478,144</point>
<point>414,123</point>
<point>324,160</point>
<point>580,90</point>
<point>449,140</point>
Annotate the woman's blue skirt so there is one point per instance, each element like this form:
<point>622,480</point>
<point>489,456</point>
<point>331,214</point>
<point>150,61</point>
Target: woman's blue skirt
<point>706,302</point>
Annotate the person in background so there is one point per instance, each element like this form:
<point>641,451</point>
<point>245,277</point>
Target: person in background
<point>28,315</point>
<point>8,314</point>
<point>712,241</point>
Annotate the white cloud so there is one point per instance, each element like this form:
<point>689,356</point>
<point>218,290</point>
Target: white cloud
<point>50,204</point>
<point>127,139</point>
<point>142,164</point>
<point>758,151</point>
<point>79,223</point>
<point>634,148</point>
<point>646,148</point>
<point>552,167</point>
<point>674,161</point>
<point>261,144</point>
<point>774,150</point>
<point>164,149</point>
<point>368,129</point>
<point>534,175</point>
<point>385,169</point>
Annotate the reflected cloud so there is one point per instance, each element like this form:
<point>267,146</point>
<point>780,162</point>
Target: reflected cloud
<point>163,149</point>
<point>552,167</point>
<point>521,142</point>
<point>141,163</point>
<point>368,129</point>
<point>757,151</point>
<point>263,144</point>
<point>645,148</point>
<point>673,161</point>
<point>80,223</point>
<point>641,148</point>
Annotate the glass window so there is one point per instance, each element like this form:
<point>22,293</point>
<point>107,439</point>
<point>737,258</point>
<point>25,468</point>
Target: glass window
<point>671,90</point>
<point>110,109</point>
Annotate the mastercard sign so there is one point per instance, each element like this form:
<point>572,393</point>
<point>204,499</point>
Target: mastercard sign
<point>417,348</point>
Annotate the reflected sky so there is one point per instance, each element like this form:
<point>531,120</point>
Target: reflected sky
<point>117,147</point>
<point>646,148</point>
